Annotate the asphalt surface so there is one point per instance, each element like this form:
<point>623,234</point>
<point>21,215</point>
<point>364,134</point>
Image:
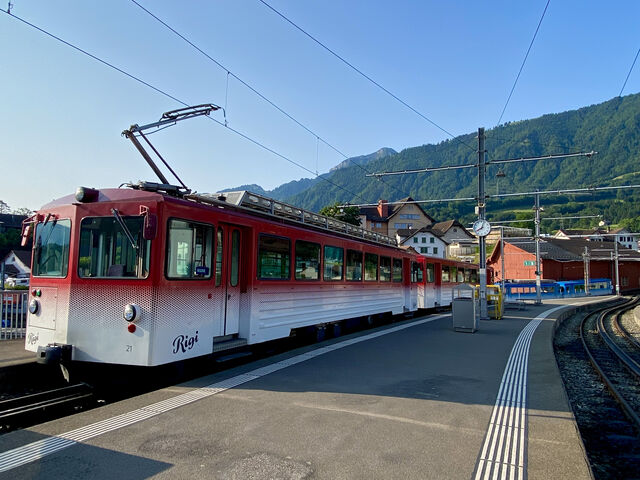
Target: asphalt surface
<point>412,403</point>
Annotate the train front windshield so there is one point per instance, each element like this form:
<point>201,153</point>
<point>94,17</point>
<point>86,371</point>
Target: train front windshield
<point>113,247</point>
<point>51,248</point>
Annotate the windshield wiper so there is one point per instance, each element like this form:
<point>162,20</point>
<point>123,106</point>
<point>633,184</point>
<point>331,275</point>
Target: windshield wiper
<point>126,231</point>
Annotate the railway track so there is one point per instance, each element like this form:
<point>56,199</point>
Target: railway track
<point>609,432</point>
<point>615,357</point>
<point>26,409</point>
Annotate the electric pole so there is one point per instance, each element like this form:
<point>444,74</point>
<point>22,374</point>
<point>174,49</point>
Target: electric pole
<point>586,258</point>
<point>481,217</point>
<point>615,256</point>
<point>537,224</point>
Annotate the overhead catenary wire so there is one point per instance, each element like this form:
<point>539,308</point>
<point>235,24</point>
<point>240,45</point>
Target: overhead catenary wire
<point>629,74</point>
<point>255,91</point>
<point>523,62</point>
<point>175,99</point>
<point>361,73</point>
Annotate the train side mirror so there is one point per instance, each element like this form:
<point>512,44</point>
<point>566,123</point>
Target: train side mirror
<point>150,229</point>
<point>150,224</point>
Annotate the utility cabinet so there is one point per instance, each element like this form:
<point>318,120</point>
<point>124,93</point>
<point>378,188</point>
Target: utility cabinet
<point>464,308</point>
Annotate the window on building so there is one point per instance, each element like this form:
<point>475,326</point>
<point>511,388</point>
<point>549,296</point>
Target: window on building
<point>370,267</point>
<point>409,216</point>
<point>189,250</point>
<point>333,262</point>
<point>385,269</point>
<point>397,270</point>
<point>415,239</point>
<point>274,254</point>
<point>307,261</point>
<point>354,266</point>
<point>435,250</point>
<point>432,240</point>
<point>424,239</point>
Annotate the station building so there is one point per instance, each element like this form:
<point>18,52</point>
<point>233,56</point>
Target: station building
<point>565,259</point>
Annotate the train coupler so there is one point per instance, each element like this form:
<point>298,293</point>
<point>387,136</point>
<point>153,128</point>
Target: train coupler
<point>53,354</point>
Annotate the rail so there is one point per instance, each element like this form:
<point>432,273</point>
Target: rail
<point>608,363</point>
<point>13,315</point>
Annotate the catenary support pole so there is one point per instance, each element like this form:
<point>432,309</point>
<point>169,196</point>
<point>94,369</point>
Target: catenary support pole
<point>481,216</point>
<point>538,263</point>
<point>615,256</point>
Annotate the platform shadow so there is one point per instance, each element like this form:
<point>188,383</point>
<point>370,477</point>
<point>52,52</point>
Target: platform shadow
<point>79,461</point>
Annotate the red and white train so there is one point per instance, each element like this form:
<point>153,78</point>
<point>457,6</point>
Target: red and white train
<point>148,276</point>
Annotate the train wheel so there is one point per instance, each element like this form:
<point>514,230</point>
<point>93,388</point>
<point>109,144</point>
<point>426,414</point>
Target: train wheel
<point>337,329</point>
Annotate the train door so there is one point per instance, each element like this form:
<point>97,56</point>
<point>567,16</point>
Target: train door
<point>228,272</point>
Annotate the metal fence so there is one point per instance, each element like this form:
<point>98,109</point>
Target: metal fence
<point>13,318</point>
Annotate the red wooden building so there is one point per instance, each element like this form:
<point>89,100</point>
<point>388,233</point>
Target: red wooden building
<point>565,260</point>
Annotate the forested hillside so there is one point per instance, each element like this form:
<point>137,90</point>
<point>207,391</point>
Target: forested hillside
<point>611,128</point>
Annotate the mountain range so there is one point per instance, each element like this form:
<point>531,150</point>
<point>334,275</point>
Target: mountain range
<point>611,128</point>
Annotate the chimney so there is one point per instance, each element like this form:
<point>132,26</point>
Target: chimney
<point>383,209</point>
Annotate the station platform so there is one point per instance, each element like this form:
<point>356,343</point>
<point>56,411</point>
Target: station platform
<point>410,400</point>
<point>12,353</point>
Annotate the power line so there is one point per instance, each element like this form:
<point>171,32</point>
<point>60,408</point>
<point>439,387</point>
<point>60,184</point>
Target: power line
<point>162,92</point>
<point>523,62</point>
<point>255,91</point>
<point>356,69</point>
<point>628,74</point>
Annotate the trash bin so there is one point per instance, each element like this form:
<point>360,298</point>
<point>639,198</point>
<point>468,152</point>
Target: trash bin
<point>464,308</point>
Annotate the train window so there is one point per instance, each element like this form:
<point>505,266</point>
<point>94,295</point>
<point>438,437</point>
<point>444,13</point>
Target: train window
<point>333,262</point>
<point>273,258</point>
<point>370,267</point>
<point>385,269</point>
<point>445,273</point>
<point>51,246</point>
<point>354,266</point>
<point>307,261</point>
<point>460,276</point>
<point>189,250</point>
<point>431,273</point>
<point>235,258</point>
<point>107,250</point>
<point>219,245</point>
<point>416,272</point>
<point>467,275</point>
<point>473,276</point>
<point>397,270</point>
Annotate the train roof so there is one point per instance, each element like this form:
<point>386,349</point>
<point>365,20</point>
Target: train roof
<point>245,201</point>
<point>110,195</point>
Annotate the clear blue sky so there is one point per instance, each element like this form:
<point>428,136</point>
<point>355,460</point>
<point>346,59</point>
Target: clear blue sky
<point>62,112</point>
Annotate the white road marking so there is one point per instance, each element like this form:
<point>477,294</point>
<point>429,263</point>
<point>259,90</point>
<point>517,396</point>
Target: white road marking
<point>503,451</point>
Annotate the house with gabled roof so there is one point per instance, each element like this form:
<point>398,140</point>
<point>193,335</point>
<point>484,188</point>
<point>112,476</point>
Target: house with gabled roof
<point>624,236</point>
<point>388,218</point>
<point>18,263</point>
<point>423,240</point>
<point>461,243</point>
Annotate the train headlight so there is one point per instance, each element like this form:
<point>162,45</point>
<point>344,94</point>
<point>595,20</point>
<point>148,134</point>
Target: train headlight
<point>131,312</point>
<point>34,306</point>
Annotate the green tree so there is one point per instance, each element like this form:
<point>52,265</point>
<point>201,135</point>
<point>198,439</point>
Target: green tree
<point>346,214</point>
